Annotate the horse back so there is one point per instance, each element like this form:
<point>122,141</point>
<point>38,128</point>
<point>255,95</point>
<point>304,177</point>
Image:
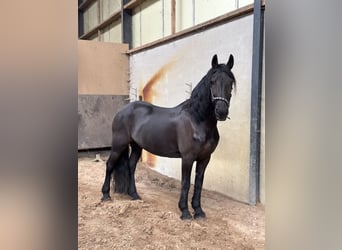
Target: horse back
<point>152,127</point>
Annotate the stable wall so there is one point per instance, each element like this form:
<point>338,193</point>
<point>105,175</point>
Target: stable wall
<point>165,74</point>
<point>102,90</point>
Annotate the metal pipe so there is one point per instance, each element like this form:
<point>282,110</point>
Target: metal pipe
<point>254,164</point>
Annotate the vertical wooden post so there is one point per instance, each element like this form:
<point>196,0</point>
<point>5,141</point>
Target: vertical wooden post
<point>99,14</point>
<point>173,16</point>
<point>80,20</point>
<point>98,19</point>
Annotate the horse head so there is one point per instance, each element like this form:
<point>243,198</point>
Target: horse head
<point>222,81</point>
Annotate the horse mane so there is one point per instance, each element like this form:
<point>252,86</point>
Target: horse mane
<point>199,105</point>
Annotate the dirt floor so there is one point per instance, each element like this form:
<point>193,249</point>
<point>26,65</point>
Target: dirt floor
<point>154,223</point>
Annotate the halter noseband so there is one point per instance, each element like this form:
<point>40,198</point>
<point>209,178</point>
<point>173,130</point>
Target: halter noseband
<point>218,98</point>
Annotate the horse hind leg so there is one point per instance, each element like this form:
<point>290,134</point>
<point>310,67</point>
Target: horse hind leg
<point>121,173</point>
<point>115,164</point>
<point>133,160</point>
<point>109,170</point>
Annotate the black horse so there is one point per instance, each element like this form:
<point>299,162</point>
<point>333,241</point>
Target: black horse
<point>187,131</point>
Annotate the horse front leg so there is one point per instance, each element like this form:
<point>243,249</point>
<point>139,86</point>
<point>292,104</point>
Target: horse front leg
<point>196,198</point>
<point>183,200</point>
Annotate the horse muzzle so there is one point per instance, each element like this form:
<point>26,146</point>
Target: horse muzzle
<point>221,107</point>
<point>222,118</point>
<point>221,112</point>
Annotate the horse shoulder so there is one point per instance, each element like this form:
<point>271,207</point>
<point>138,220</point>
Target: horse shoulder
<point>197,131</point>
<point>199,135</point>
<point>208,137</point>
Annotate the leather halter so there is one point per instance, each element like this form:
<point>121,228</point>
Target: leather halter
<point>218,98</point>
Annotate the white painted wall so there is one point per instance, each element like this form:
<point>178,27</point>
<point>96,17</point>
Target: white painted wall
<point>187,60</point>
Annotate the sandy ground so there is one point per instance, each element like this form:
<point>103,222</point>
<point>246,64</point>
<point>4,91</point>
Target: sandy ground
<point>153,222</point>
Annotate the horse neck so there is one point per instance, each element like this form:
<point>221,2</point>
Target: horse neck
<point>200,104</point>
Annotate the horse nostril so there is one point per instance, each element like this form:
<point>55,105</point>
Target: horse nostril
<point>221,112</point>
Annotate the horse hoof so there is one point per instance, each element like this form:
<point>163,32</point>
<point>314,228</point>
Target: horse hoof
<point>106,198</point>
<point>135,197</point>
<point>199,216</point>
<point>186,216</point>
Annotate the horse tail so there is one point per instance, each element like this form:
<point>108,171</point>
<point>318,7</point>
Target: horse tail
<point>121,173</point>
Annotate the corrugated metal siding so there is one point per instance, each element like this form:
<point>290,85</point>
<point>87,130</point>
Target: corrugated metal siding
<point>208,9</point>
<point>152,19</point>
<point>90,16</point>
<point>112,33</point>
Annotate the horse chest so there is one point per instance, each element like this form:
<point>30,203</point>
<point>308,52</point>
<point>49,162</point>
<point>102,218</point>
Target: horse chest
<point>207,142</point>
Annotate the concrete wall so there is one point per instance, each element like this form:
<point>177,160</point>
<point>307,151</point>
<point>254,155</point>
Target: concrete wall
<point>162,75</point>
<point>102,90</point>
<point>95,116</point>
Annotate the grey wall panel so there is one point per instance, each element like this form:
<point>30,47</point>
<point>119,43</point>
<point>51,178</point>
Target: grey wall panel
<point>95,116</point>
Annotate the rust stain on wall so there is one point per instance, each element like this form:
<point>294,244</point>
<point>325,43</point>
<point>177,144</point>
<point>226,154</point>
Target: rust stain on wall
<point>148,94</point>
<point>148,91</point>
<point>149,158</point>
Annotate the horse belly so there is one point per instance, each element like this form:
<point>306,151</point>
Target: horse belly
<point>169,153</point>
<point>160,146</point>
<point>158,139</point>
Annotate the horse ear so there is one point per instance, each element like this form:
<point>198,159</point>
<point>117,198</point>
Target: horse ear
<point>230,62</point>
<point>214,62</point>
